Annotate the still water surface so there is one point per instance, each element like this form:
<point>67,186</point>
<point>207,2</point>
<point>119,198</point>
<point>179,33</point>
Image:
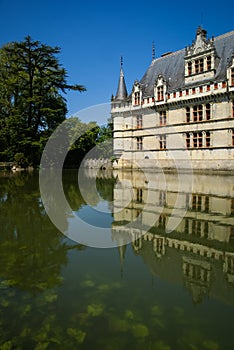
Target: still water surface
<point>161,291</point>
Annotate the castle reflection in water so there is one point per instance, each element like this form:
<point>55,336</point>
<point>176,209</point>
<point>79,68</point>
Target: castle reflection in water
<point>199,251</point>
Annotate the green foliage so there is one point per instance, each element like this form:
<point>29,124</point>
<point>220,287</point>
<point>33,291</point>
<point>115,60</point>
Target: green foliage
<point>88,137</point>
<point>20,159</point>
<point>32,103</point>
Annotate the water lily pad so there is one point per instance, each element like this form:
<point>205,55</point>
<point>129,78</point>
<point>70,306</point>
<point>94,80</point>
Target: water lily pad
<point>140,330</point>
<point>95,309</point>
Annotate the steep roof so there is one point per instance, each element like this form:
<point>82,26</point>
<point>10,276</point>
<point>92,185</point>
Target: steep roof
<point>171,66</point>
<point>121,93</point>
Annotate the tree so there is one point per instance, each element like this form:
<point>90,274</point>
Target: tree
<point>32,102</point>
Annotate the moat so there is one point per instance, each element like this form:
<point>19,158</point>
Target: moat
<point>170,287</point>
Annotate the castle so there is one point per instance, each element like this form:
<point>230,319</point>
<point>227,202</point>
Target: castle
<point>181,113</point>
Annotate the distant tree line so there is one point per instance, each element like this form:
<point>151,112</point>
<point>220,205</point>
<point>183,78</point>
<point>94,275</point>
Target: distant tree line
<point>33,85</point>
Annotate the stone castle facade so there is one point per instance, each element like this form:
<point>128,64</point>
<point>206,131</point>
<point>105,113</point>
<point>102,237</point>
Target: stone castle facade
<point>181,113</point>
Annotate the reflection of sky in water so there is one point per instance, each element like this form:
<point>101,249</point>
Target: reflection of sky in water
<point>92,226</point>
<point>99,215</point>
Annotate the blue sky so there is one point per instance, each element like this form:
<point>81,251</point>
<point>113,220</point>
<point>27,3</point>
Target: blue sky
<point>93,34</point>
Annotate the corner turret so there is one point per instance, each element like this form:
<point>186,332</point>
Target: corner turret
<point>121,94</point>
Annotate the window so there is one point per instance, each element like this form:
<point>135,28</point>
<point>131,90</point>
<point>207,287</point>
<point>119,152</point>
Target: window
<point>187,140</point>
<point>232,137</point>
<point>207,139</point>
<point>200,112</point>
<point>208,111</point>
<point>189,68</point>
<point>224,84</point>
<point>162,118</point>
<point>208,62</point>
<point>187,114</point>
<point>180,93</point>
<point>162,198</point>
<point>195,113</point>
<point>139,196</point>
<point>199,66</point>
<point>233,108</point>
<point>139,143</point>
<point>187,92</point>
<point>193,90</point>
<point>215,86</point>
<point>139,122</point>
<point>232,206</point>
<point>162,221</point>
<point>200,139</point>
<point>232,76</point>
<point>137,98</point>
<point>195,139</point>
<point>162,142</point>
<point>206,206</point>
<point>174,94</point>
<point>207,87</point>
<point>194,202</point>
<point>160,96</point>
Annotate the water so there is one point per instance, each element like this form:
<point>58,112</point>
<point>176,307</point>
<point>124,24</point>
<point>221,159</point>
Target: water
<point>164,290</point>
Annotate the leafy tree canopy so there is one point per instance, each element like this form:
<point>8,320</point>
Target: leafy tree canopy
<point>32,102</point>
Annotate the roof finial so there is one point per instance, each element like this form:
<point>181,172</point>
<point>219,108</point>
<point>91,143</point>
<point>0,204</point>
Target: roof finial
<point>121,61</point>
<point>153,51</point>
<point>201,19</point>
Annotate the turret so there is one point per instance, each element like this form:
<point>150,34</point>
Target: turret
<point>121,94</point>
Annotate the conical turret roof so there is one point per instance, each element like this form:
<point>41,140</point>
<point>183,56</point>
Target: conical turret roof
<point>121,93</point>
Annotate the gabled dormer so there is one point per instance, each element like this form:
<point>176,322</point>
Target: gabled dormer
<point>230,72</point>
<point>200,58</point>
<point>136,94</point>
<point>160,89</point>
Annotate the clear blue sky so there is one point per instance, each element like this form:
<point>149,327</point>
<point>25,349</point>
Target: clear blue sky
<point>93,34</point>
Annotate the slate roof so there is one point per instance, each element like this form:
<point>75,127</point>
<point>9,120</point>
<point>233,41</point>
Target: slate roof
<point>121,93</point>
<point>171,67</point>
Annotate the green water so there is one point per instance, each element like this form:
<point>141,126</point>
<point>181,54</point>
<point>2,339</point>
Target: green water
<point>161,291</point>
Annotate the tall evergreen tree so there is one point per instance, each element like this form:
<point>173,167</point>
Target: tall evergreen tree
<point>32,103</point>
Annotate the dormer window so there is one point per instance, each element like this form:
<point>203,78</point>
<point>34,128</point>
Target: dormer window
<point>137,98</point>
<point>200,58</point>
<point>199,66</point>
<point>189,68</point>
<point>160,95</point>
<point>208,63</point>
<point>159,88</point>
<point>136,94</point>
<point>232,77</point>
<point>230,72</point>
